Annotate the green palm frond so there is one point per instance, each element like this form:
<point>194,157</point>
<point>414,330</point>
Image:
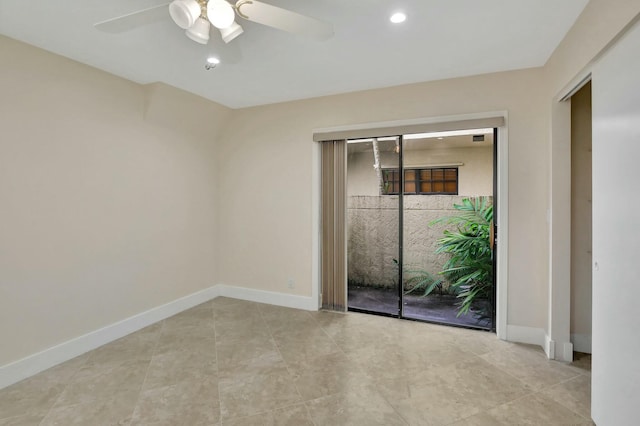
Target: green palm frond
<point>469,268</point>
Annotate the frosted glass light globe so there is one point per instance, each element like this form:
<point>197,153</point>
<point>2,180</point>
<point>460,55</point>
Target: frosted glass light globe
<point>220,13</point>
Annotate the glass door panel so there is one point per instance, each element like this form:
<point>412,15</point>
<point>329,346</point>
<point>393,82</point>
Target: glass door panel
<point>373,214</point>
<point>440,173</point>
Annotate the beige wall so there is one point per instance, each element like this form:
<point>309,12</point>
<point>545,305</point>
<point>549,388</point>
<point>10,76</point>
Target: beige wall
<point>275,236</point>
<point>597,27</point>
<point>475,175</point>
<point>108,198</point>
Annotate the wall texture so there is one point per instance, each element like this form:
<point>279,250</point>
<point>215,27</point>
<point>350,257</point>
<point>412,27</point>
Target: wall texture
<point>108,198</point>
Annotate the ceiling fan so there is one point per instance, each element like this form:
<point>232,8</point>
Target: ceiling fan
<point>198,16</point>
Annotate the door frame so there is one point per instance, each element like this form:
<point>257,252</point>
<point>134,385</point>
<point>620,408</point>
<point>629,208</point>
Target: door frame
<point>502,193</point>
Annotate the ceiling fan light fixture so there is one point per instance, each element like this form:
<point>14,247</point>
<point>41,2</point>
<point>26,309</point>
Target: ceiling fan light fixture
<point>199,32</point>
<point>231,32</point>
<point>184,12</point>
<point>220,13</point>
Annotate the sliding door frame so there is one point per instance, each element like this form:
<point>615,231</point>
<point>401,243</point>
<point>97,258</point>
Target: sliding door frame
<point>442,123</point>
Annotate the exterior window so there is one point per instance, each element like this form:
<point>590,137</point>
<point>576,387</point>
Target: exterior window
<point>422,181</point>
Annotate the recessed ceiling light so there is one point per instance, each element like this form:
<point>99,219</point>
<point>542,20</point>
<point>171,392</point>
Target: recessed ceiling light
<point>212,62</point>
<point>398,17</point>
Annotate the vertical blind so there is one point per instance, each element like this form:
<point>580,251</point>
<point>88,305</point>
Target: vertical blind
<point>334,244</point>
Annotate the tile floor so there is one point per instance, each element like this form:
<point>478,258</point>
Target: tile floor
<point>235,363</point>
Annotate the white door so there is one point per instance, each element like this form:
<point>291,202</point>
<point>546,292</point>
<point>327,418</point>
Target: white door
<point>616,234</point>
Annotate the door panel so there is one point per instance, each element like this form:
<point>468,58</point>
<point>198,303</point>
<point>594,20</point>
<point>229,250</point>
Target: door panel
<point>441,172</point>
<point>373,185</point>
<point>616,207</point>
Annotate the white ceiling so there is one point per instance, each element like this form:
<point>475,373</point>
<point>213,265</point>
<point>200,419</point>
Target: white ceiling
<point>440,39</point>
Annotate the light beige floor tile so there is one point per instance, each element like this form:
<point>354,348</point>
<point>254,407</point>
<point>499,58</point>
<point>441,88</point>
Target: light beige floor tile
<point>233,362</point>
<point>444,394</point>
<point>295,415</point>
<point>291,331</point>
<point>201,339</point>
<point>575,394</point>
<point>267,389</point>
<point>479,342</point>
<point>482,384</point>
<point>37,394</point>
<point>24,398</point>
<point>250,366</point>
<point>234,313</point>
<point>108,412</point>
<point>26,420</point>
<point>530,365</point>
<point>430,412</point>
<point>327,318</point>
<point>269,310</point>
<point>361,406</point>
<point>194,317</point>
<point>393,361</point>
<point>139,345</point>
<point>305,344</point>
<point>205,305</point>
<point>530,410</point>
<point>95,382</point>
<point>65,371</point>
<point>241,329</point>
<point>237,354</point>
<point>186,403</point>
<point>327,375</point>
<point>186,364</point>
<point>349,337</point>
<point>221,302</point>
<point>286,320</point>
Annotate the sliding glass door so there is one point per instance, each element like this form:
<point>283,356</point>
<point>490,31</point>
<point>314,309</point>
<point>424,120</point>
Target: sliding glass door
<point>420,226</point>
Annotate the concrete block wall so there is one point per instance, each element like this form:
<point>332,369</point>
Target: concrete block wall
<point>373,236</point>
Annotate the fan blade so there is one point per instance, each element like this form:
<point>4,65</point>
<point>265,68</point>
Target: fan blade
<point>134,20</point>
<point>283,19</point>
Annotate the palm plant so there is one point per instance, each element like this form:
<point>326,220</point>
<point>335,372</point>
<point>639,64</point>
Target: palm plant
<point>470,266</point>
<point>421,280</point>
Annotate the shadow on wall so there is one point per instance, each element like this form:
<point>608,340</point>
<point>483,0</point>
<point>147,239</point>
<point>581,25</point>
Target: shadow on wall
<point>373,236</point>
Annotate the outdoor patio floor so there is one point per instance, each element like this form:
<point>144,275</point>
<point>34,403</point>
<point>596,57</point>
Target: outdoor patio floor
<point>434,308</point>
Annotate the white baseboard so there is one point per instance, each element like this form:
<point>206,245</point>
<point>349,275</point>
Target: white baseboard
<point>268,297</point>
<point>33,364</point>
<point>529,335</point>
<point>581,342</point>
<point>561,351</point>
<point>549,347</point>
